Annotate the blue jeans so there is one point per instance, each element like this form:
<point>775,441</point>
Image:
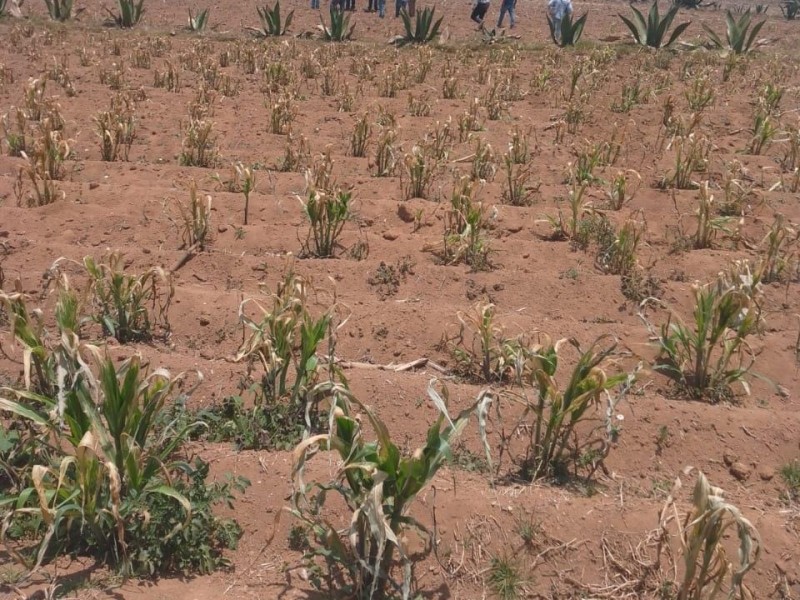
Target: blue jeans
<point>400,5</point>
<point>381,8</point>
<point>507,7</point>
<point>315,4</point>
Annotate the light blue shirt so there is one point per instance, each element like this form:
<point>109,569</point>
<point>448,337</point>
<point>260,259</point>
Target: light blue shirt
<point>558,8</point>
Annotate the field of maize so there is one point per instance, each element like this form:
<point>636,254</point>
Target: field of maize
<point>301,303</point>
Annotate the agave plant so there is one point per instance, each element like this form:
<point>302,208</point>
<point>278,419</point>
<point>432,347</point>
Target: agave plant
<point>130,13</point>
<point>59,10</point>
<point>570,31</point>
<point>424,29</point>
<point>271,24</point>
<point>738,41</point>
<point>789,8</point>
<point>199,21</point>
<point>340,29</point>
<point>653,31</point>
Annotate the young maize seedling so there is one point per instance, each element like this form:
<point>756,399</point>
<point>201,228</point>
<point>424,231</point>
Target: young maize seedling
<point>450,89</point>
<point>17,133</point>
<point>691,156</point>
<point>469,121</point>
<point>439,140</point>
<point>493,101</point>
<point>320,175</point>
<point>518,190</point>
<point>620,257</point>
<point>419,106</point>
<point>116,130</point>
<point>296,156</point>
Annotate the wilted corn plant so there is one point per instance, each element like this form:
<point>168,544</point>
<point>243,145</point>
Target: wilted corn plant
<point>17,132</point>
<point>565,434</point>
<point>620,191</point>
<point>296,154</point>
<point>701,93</point>
<point>465,227</point>
<point>518,189</point>
<point>199,144</point>
<point>519,147</point>
<point>128,307</point>
<point>196,218</point>
<point>116,129</point>
<point>246,178</point>
<point>327,211</point>
<point>691,156</point>
<point>483,167</point>
<point>282,114</point>
<point>764,130</point>
<point>708,225</point>
<point>710,354</point>
<point>378,483</point>
<point>288,376</point>
<point>620,257</point>
<point>779,258</point>
<point>108,484</point>
<point>707,571</point>
<point>360,137</point>
<point>419,170</point>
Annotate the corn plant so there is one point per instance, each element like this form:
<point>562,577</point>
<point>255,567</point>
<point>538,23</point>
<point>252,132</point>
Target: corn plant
<point>282,114</point>
<point>59,10</point>
<point>619,257</point>
<point>621,192</point>
<point>17,132</point>
<point>570,32</point>
<point>128,307</point>
<point>465,226</point>
<point>518,188</point>
<point>246,177</point>
<point>691,157</point>
<point>271,24</point>
<point>360,137</point>
<point>110,485</point>
<point>563,431</point>
<point>129,15</point>
<point>707,224</point>
<point>778,259</point>
<point>424,28</point>
<point>117,131</point>
<point>706,565</point>
<point>196,218</point>
<point>700,94</point>
<point>340,29</point>
<point>709,354</point>
<point>281,346</point>
<point>327,212</point>
<point>199,144</point>
<point>483,167</point>
<point>653,31</point>
<point>197,23</point>
<point>737,39</point>
<point>764,130</point>
<point>519,147</point>
<point>378,483</point>
<point>419,170</point>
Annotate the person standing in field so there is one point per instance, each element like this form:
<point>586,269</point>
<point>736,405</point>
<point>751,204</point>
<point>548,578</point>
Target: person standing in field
<point>479,11</point>
<point>507,6</point>
<point>399,6</point>
<point>558,9</point>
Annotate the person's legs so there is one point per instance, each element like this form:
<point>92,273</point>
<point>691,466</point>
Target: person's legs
<point>381,8</point>
<point>503,10</point>
<point>512,15</point>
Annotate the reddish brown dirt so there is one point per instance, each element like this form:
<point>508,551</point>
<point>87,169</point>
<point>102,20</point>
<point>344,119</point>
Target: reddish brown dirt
<point>536,285</point>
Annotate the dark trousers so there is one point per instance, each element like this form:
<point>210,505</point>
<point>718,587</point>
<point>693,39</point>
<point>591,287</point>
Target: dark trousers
<point>479,12</point>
